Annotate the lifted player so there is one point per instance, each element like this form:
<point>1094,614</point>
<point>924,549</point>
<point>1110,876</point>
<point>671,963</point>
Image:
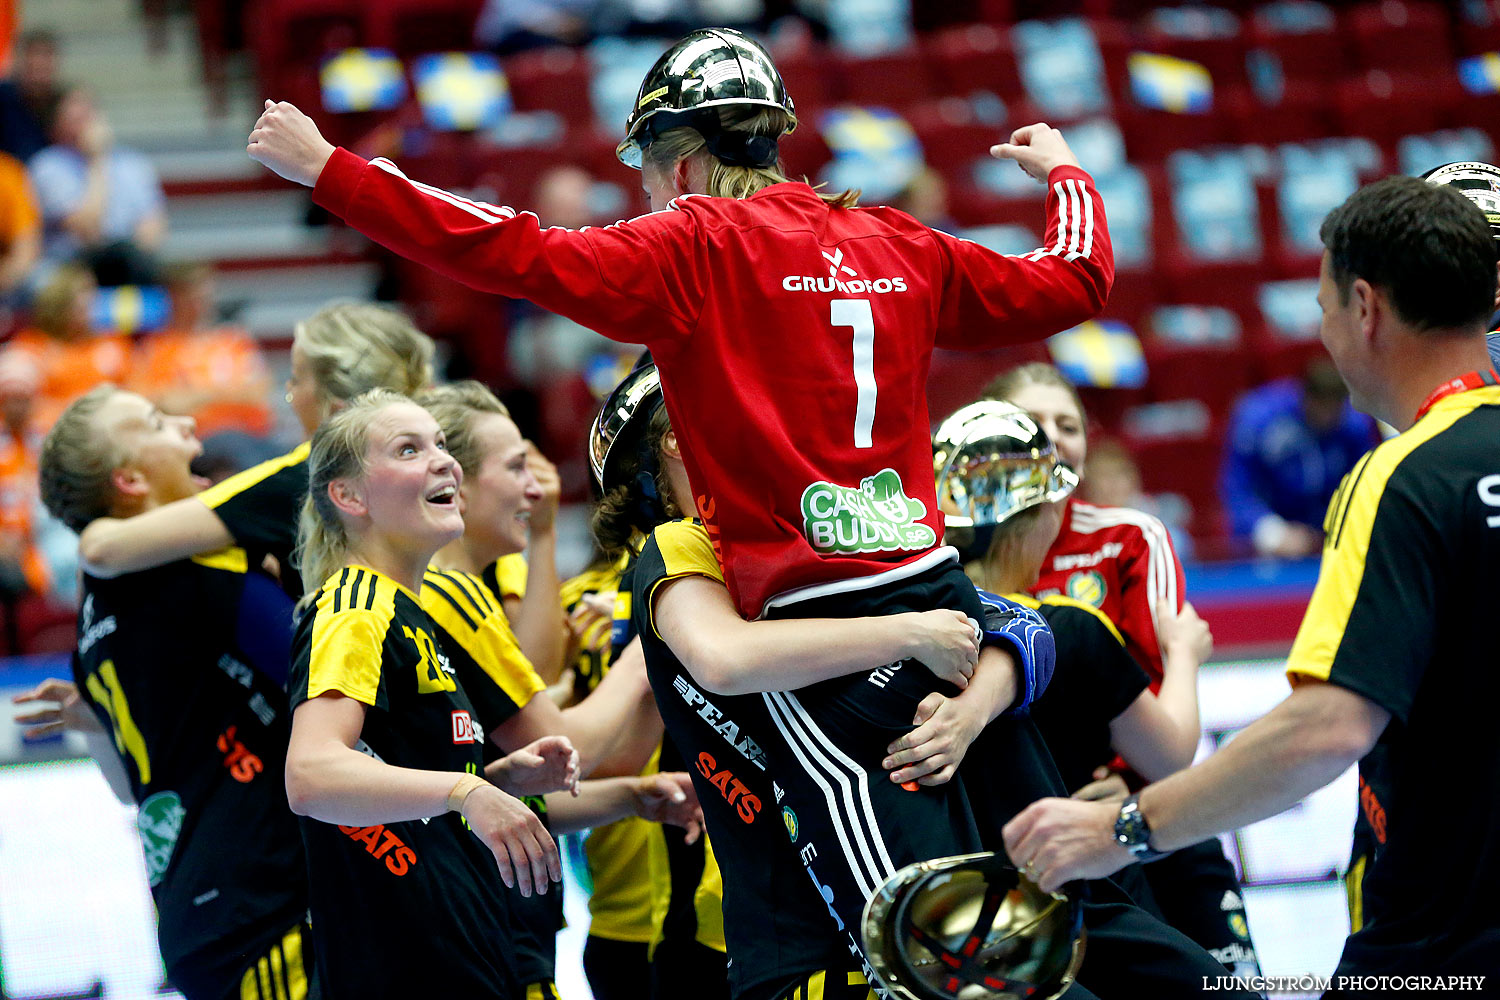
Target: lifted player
<point>793,332</point>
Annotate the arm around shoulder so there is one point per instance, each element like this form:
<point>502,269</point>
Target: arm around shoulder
<point>112,546</point>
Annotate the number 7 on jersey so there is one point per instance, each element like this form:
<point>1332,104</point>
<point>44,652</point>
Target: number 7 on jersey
<point>856,313</point>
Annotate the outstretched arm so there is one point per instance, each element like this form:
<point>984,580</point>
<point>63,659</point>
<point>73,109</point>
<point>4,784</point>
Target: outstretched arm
<point>1298,747</point>
<point>729,655</point>
<point>112,546</point>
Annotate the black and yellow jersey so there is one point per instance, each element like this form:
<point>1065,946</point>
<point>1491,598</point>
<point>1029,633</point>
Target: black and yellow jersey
<point>411,902</point>
<point>173,661</point>
<point>770,931</point>
<point>482,649</point>
<point>1403,615</point>
<point>474,632</point>
<point>1095,680</point>
<point>618,853</point>
<point>260,507</point>
<point>506,576</point>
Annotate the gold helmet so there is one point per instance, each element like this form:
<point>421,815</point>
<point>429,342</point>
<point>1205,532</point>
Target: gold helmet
<point>991,461</point>
<point>708,69</point>
<point>971,927</point>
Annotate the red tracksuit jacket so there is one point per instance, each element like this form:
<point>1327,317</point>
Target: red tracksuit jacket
<point>1122,562</point>
<point>793,341</point>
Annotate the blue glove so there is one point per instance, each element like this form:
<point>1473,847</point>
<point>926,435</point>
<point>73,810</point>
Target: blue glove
<point>1028,636</point>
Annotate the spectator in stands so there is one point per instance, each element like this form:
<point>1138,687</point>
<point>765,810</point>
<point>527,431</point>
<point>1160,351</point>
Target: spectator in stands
<point>30,96</point>
<point>100,202</point>
<point>214,373</point>
<point>1112,479</point>
<point>20,230</point>
<point>1289,444</point>
<point>510,26</point>
<point>70,358</point>
<point>22,568</point>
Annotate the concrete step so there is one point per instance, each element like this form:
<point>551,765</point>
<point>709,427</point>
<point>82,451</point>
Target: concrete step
<point>276,299</point>
<point>68,17</point>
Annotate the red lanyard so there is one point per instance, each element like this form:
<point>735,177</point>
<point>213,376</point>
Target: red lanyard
<point>1473,380</point>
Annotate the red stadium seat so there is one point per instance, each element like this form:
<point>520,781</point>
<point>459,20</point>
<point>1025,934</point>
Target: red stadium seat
<point>973,57</point>
<point>1305,56</point>
<point>1150,135</point>
<point>1223,56</point>
<point>1411,34</point>
<point>1477,27</point>
<point>1385,106</point>
<point>1302,115</point>
<point>552,79</point>
<point>892,80</point>
<point>1214,374</point>
<point>292,35</point>
<point>412,27</point>
<point>1187,465</point>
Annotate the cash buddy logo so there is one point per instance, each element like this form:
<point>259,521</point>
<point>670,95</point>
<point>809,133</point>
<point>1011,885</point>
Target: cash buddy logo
<point>877,516</point>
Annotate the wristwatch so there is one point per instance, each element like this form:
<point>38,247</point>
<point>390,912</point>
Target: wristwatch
<point>1133,833</point>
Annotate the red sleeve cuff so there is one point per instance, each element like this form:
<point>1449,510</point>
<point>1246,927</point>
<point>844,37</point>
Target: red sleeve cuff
<point>338,181</point>
<point>1059,173</point>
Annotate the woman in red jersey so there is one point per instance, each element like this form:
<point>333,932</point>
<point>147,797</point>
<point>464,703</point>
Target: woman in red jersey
<point>793,332</point>
<point>1121,561</point>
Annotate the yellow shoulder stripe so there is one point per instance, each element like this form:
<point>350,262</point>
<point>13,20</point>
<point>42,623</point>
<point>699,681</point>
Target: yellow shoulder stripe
<point>1348,543</point>
<point>353,613</point>
<point>231,560</point>
<point>217,494</point>
<point>1062,601</point>
<point>686,549</point>
<point>485,636</point>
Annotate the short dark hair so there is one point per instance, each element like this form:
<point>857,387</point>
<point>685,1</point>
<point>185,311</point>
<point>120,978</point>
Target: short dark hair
<point>1428,247</point>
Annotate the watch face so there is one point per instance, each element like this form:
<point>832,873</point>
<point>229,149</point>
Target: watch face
<point>1130,827</point>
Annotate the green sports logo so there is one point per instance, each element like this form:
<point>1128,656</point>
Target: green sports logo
<point>877,516</point>
<point>159,822</point>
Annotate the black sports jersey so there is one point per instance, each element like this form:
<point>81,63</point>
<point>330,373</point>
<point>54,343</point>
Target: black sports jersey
<point>481,648</point>
<point>167,659</point>
<point>1095,680</point>
<point>261,506</point>
<point>416,904</point>
<point>474,632</point>
<point>1403,616</point>
<point>771,931</point>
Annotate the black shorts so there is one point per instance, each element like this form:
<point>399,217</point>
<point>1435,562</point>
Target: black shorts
<point>275,964</point>
<point>617,970</point>
<point>688,969</point>
<point>855,828</point>
<point>1130,953</point>
<point>1197,893</point>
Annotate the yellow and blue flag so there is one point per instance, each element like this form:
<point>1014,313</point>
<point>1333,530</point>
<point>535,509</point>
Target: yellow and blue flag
<point>1480,74</point>
<point>1166,83</point>
<point>362,80</point>
<point>1102,353</point>
<point>130,309</point>
<point>874,149</point>
<point>461,91</point>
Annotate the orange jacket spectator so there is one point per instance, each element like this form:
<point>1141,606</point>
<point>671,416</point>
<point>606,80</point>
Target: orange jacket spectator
<point>20,446</point>
<point>215,374</point>
<point>70,358</point>
<point>20,225</point>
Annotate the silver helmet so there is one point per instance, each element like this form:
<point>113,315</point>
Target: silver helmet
<point>971,927</point>
<point>991,461</point>
<point>708,69</point>
<point>620,422</point>
<point>1479,182</point>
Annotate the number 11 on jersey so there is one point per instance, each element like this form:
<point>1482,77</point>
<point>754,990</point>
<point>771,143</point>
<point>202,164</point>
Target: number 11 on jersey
<point>856,313</point>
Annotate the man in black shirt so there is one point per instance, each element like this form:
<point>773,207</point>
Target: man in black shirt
<point>1393,665</point>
